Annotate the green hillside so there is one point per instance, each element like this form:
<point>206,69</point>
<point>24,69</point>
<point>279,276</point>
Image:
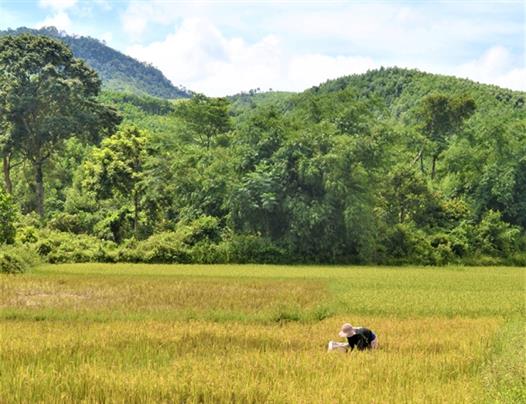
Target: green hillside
<point>118,72</point>
<point>363,135</point>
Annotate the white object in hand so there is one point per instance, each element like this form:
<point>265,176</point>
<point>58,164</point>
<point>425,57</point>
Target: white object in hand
<point>334,346</point>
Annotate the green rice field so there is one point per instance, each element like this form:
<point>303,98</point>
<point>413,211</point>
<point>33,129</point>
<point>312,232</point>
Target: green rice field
<point>130,333</point>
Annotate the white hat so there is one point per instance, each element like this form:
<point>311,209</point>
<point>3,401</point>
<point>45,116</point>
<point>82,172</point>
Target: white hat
<point>346,331</point>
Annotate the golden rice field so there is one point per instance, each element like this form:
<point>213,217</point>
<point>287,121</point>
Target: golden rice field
<point>122,333</point>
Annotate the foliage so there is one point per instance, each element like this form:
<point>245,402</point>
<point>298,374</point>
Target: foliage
<point>7,218</point>
<point>393,166</point>
<point>16,259</point>
<point>495,237</point>
<point>117,167</point>
<point>441,117</point>
<point>254,249</point>
<point>47,97</point>
<point>167,247</point>
<point>58,247</point>
<point>205,117</point>
<point>195,242</point>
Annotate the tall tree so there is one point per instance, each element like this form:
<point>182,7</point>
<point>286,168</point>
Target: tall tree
<point>6,148</point>
<point>7,218</point>
<point>205,117</point>
<point>46,96</point>
<point>441,117</point>
<point>117,167</point>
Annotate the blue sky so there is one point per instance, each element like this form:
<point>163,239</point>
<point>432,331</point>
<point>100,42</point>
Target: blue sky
<point>222,47</point>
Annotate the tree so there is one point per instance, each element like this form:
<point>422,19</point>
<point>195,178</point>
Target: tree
<point>7,155</point>
<point>117,167</point>
<point>440,117</point>
<point>7,218</point>
<point>46,96</point>
<point>205,117</point>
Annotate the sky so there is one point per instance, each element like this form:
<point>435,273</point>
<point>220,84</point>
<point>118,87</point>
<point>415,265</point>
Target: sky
<point>224,47</point>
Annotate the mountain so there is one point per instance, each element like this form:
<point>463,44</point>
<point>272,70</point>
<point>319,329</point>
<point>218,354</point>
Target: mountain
<point>118,72</point>
<point>397,89</point>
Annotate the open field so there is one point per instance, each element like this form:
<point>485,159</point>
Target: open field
<point>152,333</point>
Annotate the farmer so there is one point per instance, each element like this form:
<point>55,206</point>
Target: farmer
<point>360,337</point>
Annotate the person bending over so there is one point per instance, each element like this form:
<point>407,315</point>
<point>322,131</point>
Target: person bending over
<point>360,337</point>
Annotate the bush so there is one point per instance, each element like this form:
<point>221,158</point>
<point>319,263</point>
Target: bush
<point>17,259</point>
<point>166,247</point>
<point>518,259</point>
<point>496,238</point>
<point>408,244</point>
<point>247,248</point>
<point>115,225</point>
<point>60,247</point>
<point>196,242</point>
<point>208,253</point>
<point>80,222</point>
<point>203,229</point>
<point>482,261</point>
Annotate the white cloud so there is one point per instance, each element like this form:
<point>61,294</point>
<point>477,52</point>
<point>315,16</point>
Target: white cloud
<point>106,37</point>
<point>514,79</point>
<point>60,20</point>
<point>495,66</point>
<point>200,57</point>
<point>57,5</point>
<point>139,14</point>
<point>390,29</point>
<point>59,17</point>
<point>312,69</point>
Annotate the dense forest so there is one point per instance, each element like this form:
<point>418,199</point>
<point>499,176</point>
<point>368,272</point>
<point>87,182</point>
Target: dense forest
<point>118,72</point>
<point>388,167</point>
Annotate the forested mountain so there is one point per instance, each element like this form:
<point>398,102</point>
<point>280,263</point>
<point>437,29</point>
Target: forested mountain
<point>390,166</point>
<point>118,72</point>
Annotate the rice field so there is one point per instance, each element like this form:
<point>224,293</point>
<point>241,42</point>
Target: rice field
<point>152,333</point>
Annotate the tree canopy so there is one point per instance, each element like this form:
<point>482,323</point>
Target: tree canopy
<point>391,166</point>
<point>46,96</point>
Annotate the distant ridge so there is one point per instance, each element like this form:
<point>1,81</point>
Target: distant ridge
<point>118,71</point>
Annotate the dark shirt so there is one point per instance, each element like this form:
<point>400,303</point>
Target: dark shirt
<point>361,339</point>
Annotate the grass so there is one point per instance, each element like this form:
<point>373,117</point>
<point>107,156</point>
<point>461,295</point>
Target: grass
<point>154,333</point>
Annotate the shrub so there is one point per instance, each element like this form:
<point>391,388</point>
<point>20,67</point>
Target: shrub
<point>59,247</point>
<point>27,228</point>
<point>518,259</point>
<point>115,225</point>
<point>204,228</point>
<point>494,237</point>
<point>248,248</point>
<point>407,243</point>
<point>79,222</point>
<point>194,242</point>
<point>208,253</point>
<point>166,247</point>
<point>17,259</point>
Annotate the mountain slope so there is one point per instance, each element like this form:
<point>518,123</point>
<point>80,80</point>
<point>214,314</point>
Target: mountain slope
<point>117,71</point>
<point>397,89</point>
<point>402,89</point>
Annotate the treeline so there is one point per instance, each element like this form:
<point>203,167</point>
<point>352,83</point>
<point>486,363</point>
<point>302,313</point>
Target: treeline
<point>390,167</point>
